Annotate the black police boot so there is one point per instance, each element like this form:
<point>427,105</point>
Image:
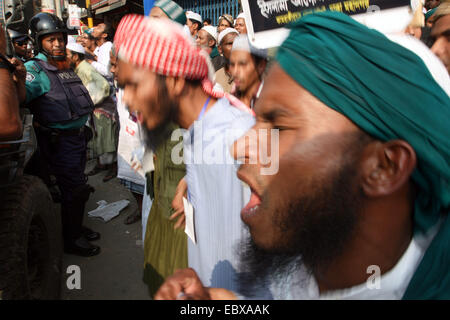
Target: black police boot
<point>82,247</point>
<point>89,234</point>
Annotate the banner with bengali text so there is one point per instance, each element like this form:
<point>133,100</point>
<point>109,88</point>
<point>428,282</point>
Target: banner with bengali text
<point>267,15</point>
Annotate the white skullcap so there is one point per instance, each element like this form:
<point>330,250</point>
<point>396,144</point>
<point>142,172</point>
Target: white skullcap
<point>241,15</point>
<point>194,16</point>
<point>224,33</point>
<point>75,47</point>
<point>212,31</point>
<point>432,62</point>
<point>242,43</point>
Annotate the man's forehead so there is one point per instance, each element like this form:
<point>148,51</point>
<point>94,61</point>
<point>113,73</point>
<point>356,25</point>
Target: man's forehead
<point>157,12</point>
<point>100,27</point>
<point>241,54</point>
<point>229,38</point>
<point>276,78</point>
<point>441,25</point>
<point>129,71</point>
<point>296,103</point>
<point>124,63</point>
<point>53,35</point>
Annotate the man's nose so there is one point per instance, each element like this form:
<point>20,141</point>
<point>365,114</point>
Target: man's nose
<point>438,47</point>
<point>246,147</point>
<point>233,71</point>
<point>58,43</point>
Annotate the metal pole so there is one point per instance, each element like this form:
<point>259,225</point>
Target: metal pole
<point>89,14</point>
<point>58,8</point>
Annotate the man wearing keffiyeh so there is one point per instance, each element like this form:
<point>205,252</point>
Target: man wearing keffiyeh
<point>165,245</point>
<point>359,207</point>
<point>166,78</point>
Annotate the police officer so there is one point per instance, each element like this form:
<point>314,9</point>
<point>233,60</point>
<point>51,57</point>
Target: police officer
<point>61,106</point>
<point>20,42</point>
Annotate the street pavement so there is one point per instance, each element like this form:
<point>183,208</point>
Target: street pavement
<point>116,273</point>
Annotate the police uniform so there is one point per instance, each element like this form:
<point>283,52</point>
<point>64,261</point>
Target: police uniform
<point>61,106</point>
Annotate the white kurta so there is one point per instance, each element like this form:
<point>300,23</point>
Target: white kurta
<point>390,286</point>
<point>216,194</point>
<point>103,59</point>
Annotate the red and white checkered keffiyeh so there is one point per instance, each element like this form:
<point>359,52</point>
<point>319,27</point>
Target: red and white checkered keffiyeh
<point>163,47</point>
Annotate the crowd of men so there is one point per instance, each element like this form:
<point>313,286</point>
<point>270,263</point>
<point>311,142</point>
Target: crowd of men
<point>292,175</point>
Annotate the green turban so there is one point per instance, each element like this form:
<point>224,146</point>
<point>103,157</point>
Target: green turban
<point>430,13</point>
<point>389,93</point>
<point>172,10</point>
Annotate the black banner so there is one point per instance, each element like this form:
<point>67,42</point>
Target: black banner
<point>273,14</point>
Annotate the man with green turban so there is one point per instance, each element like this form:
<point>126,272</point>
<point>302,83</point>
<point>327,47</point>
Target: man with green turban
<point>359,206</point>
<point>168,9</point>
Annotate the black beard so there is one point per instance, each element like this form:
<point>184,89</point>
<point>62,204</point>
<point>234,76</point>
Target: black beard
<point>154,138</point>
<point>316,228</point>
<point>169,109</point>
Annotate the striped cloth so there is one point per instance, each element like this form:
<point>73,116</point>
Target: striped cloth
<point>162,46</point>
<point>172,9</point>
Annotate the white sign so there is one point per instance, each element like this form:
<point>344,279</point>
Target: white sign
<point>74,16</point>
<point>189,215</point>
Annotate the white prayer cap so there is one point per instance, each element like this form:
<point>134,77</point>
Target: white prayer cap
<point>212,31</point>
<point>241,15</point>
<point>224,33</point>
<point>242,43</point>
<point>194,16</point>
<point>75,47</point>
<point>432,62</point>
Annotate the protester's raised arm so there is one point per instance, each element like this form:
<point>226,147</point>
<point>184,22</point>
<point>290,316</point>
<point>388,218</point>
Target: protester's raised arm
<point>10,124</point>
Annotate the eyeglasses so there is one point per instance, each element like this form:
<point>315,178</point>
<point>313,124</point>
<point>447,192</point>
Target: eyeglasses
<point>21,43</point>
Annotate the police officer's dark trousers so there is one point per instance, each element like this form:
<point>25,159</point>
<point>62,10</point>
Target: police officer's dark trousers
<point>65,152</point>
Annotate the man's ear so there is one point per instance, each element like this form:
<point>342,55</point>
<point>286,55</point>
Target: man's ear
<point>387,166</point>
<point>211,43</point>
<point>220,49</point>
<point>261,67</point>
<point>175,85</point>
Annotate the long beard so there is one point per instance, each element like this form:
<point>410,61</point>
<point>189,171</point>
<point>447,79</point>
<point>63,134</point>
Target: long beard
<point>61,65</point>
<point>157,136</point>
<point>316,229</point>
